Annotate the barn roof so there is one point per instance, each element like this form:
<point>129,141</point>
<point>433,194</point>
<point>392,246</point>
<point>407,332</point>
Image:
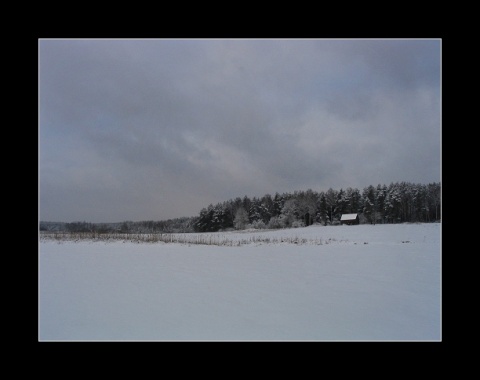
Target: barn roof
<point>348,217</point>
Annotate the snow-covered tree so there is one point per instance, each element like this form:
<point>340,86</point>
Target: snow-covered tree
<point>433,193</point>
<point>369,207</point>
<point>306,203</point>
<point>277,204</point>
<point>340,203</point>
<point>392,204</point>
<point>322,209</point>
<point>289,212</point>
<point>241,219</point>
<point>204,221</point>
<point>266,208</point>
<point>331,199</point>
<point>254,212</point>
<point>380,194</point>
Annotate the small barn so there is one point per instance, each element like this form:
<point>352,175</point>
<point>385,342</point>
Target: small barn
<point>349,219</point>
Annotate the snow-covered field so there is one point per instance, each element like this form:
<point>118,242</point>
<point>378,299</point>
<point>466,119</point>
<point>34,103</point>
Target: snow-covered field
<point>366,282</point>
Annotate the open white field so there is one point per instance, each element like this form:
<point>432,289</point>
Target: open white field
<point>363,282</point>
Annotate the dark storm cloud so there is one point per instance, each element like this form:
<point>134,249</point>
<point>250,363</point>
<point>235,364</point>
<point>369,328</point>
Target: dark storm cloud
<point>153,129</point>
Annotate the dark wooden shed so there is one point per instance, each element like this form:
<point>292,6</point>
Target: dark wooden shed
<point>349,219</point>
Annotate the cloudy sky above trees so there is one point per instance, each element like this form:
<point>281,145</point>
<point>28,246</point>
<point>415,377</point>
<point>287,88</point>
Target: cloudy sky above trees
<point>158,129</point>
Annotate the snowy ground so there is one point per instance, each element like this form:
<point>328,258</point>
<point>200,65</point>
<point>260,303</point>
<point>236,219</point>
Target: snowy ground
<point>363,282</point>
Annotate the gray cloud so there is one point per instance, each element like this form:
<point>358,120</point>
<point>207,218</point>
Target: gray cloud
<point>155,129</point>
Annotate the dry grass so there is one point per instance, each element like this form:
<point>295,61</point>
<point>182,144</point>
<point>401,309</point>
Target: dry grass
<point>187,239</point>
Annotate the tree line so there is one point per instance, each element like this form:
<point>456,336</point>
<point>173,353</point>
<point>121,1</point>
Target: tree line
<point>178,225</point>
<point>396,203</point>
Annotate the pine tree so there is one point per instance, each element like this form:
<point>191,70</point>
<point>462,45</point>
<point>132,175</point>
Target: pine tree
<point>323,209</point>
<point>380,195</point>
<point>369,210</point>
<point>340,203</point>
<point>205,220</point>
<point>433,193</point>
<point>266,208</point>
<point>393,203</point>
<point>277,204</point>
<point>254,213</point>
<point>331,199</point>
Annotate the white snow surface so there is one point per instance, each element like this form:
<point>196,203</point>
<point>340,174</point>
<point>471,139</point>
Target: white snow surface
<point>345,283</point>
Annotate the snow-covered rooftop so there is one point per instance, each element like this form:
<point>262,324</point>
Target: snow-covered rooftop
<point>348,217</point>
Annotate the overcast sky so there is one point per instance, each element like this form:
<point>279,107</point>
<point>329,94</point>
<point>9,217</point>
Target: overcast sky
<point>158,129</point>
